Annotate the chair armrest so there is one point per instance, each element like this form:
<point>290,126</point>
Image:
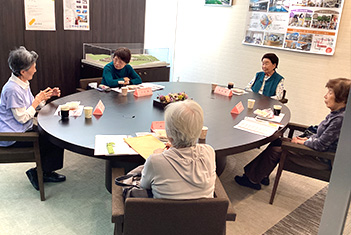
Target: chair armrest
<point>221,193</point>
<point>117,197</point>
<point>295,127</point>
<point>80,89</point>
<point>302,149</point>
<point>19,136</point>
<point>283,99</point>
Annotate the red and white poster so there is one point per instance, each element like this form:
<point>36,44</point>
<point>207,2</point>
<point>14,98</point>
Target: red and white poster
<point>76,14</point>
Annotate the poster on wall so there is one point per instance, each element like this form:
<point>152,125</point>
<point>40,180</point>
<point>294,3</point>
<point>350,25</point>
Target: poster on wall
<point>224,3</point>
<point>76,14</point>
<point>309,26</point>
<point>40,15</point>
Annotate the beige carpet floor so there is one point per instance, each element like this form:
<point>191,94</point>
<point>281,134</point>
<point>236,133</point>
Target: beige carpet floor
<point>254,213</point>
<point>81,205</point>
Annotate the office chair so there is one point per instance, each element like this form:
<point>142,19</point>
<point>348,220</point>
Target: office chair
<point>164,216</point>
<point>286,164</point>
<point>85,82</point>
<point>30,154</point>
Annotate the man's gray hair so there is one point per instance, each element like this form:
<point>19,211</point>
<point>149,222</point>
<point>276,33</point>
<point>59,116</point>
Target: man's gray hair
<point>184,121</point>
<point>21,59</point>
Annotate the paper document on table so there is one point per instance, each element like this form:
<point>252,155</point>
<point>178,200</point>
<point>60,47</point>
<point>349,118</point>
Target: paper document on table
<point>145,145</point>
<point>258,127</point>
<point>112,145</point>
<point>154,87</point>
<point>274,118</point>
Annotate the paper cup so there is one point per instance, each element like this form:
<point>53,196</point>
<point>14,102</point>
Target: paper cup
<point>250,103</point>
<point>88,111</point>
<point>203,132</point>
<point>214,85</point>
<point>124,91</point>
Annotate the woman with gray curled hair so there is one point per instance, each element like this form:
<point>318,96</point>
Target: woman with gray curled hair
<point>186,170</point>
<point>18,107</point>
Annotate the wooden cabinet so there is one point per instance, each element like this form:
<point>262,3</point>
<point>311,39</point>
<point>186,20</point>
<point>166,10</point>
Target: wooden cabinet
<point>90,71</point>
<point>156,74</point>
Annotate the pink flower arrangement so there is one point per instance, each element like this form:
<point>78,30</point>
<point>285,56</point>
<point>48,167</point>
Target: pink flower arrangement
<point>172,97</point>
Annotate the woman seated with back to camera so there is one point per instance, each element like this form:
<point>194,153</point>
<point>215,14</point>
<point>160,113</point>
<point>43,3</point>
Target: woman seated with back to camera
<point>268,82</point>
<point>326,139</point>
<point>186,170</point>
<point>118,72</point>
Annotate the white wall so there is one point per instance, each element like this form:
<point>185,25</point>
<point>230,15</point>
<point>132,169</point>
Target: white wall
<point>160,26</point>
<point>208,48</point>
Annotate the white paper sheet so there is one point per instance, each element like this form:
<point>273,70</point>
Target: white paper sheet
<point>154,87</point>
<point>274,118</point>
<point>120,147</point>
<point>40,15</point>
<point>259,127</point>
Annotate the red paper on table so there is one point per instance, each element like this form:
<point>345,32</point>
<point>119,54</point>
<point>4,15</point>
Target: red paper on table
<point>238,108</point>
<point>223,91</point>
<point>143,92</point>
<point>99,108</point>
<point>157,125</point>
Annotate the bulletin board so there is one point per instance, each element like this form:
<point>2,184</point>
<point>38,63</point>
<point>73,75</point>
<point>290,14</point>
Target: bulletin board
<point>309,26</point>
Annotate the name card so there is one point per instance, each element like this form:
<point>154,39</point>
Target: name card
<point>238,108</point>
<point>99,108</point>
<point>158,125</point>
<point>143,92</point>
<point>223,91</point>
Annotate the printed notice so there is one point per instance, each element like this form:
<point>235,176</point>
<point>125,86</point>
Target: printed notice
<point>76,14</point>
<point>257,127</point>
<point>40,14</point>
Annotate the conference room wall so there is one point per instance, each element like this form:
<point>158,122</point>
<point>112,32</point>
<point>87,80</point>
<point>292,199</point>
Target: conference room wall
<point>208,48</point>
<point>60,51</point>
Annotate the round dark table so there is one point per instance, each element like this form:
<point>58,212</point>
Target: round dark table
<point>126,115</point>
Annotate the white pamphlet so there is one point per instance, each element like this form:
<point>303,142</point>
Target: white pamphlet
<point>116,142</point>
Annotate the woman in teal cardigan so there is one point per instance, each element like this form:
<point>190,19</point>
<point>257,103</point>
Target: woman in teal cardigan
<point>119,72</point>
<point>268,82</point>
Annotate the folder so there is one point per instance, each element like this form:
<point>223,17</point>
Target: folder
<point>144,145</point>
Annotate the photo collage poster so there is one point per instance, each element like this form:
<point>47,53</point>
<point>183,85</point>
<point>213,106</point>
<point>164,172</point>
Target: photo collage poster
<point>76,14</point>
<point>309,26</point>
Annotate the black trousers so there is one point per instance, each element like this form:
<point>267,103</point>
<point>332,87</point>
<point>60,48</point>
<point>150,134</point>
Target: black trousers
<point>51,155</point>
<point>263,165</point>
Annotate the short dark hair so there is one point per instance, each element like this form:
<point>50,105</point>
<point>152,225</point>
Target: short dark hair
<point>341,88</point>
<point>123,53</point>
<point>272,57</point>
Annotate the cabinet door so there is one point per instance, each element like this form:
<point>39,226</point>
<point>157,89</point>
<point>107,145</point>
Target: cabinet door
<point>157,74</point>
<point>90,71</point>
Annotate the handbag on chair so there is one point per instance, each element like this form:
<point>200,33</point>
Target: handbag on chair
<point>311,130</point>
<point>131,185</point>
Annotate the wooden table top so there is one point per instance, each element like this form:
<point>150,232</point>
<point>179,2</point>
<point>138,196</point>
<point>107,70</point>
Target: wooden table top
<point>126,115</point>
